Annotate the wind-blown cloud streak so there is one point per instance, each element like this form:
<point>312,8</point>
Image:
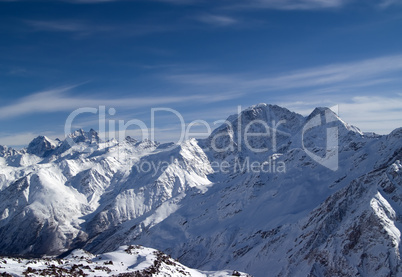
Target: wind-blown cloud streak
<point>387,3</point>
<point>353,74</point>
<point>216,20</point>
<point>66,26</point>
<point>59,100</point>
<point>324,86</point>
<point>301,5</point>
<point>84,28</point>
<point>251,4</point>
<point>290,4</point>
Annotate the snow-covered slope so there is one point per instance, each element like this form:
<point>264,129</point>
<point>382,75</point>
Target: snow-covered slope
<point>132,260</point>
<point>262,204</point>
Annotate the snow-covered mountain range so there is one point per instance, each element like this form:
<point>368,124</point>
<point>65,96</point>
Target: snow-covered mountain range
<point>216,203</point>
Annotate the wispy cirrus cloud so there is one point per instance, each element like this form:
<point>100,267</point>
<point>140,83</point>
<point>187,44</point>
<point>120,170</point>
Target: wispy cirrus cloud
<point>288,4</point>
<point>69,1</point>
<point>60,99</point>
<point>355,72</point>
<point>388,3</point>
<point>251,4</point>
<point>86,28</point>
<point>217,20</point>
<point>176,2</point>
<point>88,1</point>
<point>372,105</point>
<point>360,73</point>
<point>294,5</point>
<point>63,26</point>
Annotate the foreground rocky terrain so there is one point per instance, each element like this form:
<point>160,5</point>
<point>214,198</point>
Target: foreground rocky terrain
<point>133,260</point>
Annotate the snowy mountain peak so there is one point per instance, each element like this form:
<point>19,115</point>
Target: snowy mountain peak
<point>4,150</point>
<point>81,136</point>
<point>397,133</point>
<point>266,112</point>
<point>77,133</point>
<point>41,146</point>
<point>320,110</point>
<point>259,129</point>
<point>327,116</point>
<point>131,140</point>
<point>93,136</point>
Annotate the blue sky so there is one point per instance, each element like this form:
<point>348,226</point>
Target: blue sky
<point>201,58</point>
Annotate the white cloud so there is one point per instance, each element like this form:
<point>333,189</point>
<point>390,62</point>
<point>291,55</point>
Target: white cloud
<point>175,2</point>
<point>62,26</point>
<point>217,20</point>
<point>325,86</point>
<point>303,5</point>
<point>89,1</point>
<point>251,4</point>
<point>57,100</point>
<point>84,28</point>
<point>360,73</point>
<point>69,1</point>
<point>289,4</point>
<point>388,3</point>
<point>355,72</point>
